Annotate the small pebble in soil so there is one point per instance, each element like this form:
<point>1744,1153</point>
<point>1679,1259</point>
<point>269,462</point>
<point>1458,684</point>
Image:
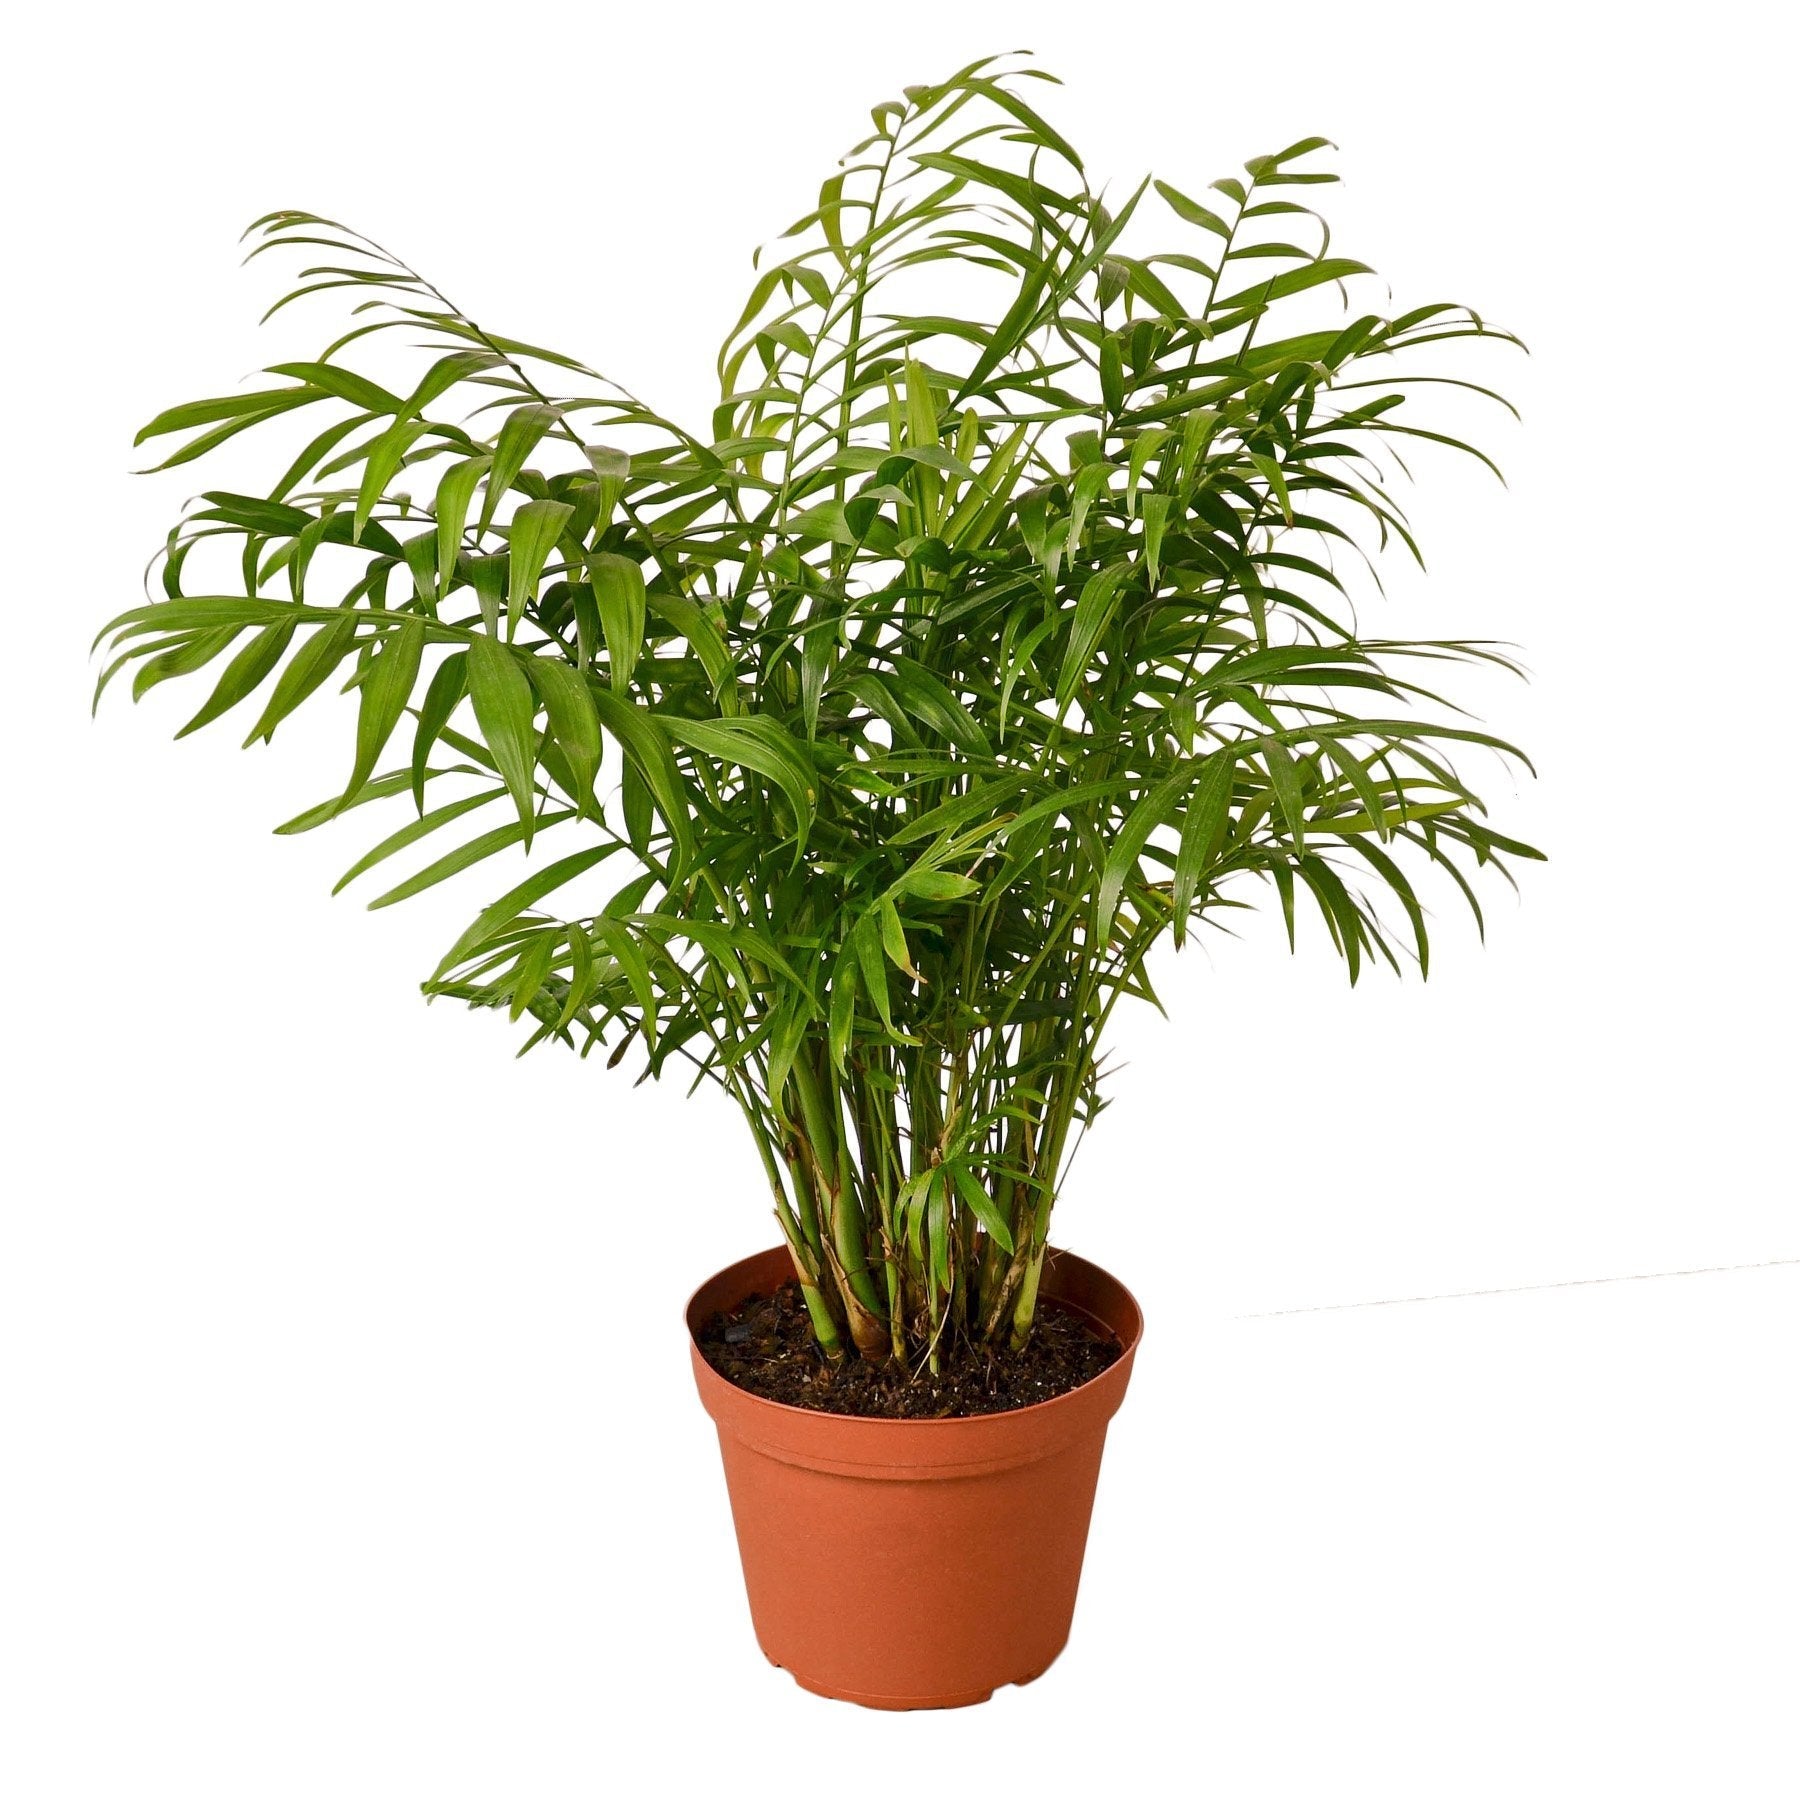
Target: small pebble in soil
<point>766,1346</point>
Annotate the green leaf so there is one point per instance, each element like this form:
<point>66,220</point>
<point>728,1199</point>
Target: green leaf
<point>264,403</point>
<point>1192,211</point>
<point>1090,484</point>
<point>1128,844</point>
<point>244,674</point>
<point>787,333</point>
<point>704,638</point>
<point>893,937</point>
<point>183,658</point>
<point>1012,330</point>
<point>385,692</point>
<point>933,884</point>
<point>1391,873</point>
<point>442,696</point>
<point>532,534</point>
<point>465,856</point>
<point>617,939</point>
<point>455,493</point>
<point>1112,374</point>
<point>1208,812</point>
<point>344,384</point>
<point>841,1008</point>
<point>519,436</point>
<point>383,787</point>
<point>1302,148</point>
<point>308,670</point>
<point>619,598</point>
<point>647,751</point>
<point>255,515</point>
<point>581,973</point>
<point>985,800</point>
<point>757,743</point>
<point>867,940</point>
<point>446,372</point>
<point>487,575</point>
<point>529,973</point>
<point>931,702</point>
<point>587,626</point>
<point>412,831</point>
<point>384,459</point>
<point>492,920</point>
<point>504,710</point>
<point>1284,777</point>
<point>981,1203</point>
<point>574,722</point>
<point>1295,281</point>
<point>1156,519</point>
<point>1093,614</point>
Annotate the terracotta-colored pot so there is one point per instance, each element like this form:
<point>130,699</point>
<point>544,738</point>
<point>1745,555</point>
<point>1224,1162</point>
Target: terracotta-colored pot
<point>908,1563</point>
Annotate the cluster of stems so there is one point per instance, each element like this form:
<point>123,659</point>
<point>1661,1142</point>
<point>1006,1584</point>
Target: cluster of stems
<point>889,1257</point>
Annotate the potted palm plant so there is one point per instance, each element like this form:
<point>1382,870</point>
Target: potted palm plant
<point>996,624</point>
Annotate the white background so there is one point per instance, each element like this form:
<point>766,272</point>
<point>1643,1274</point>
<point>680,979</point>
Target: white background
<point>316,1473</point>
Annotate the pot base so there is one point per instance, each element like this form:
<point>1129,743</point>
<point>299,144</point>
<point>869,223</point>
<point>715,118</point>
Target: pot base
<point>903,1702</point>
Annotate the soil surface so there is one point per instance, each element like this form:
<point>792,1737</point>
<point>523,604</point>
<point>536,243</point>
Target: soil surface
<point>766,1347</point>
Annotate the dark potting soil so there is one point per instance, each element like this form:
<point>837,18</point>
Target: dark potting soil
<point>766,1347</point>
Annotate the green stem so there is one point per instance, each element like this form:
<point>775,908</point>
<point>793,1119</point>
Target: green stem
<point>846,1249</point>
<point>1025,1312</point>
<point>806,1269</point>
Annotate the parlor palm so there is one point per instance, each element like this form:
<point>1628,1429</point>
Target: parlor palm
<point>895,712</point>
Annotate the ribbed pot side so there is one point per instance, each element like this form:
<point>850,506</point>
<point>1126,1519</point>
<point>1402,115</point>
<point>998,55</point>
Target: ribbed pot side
<point>909,1563</point>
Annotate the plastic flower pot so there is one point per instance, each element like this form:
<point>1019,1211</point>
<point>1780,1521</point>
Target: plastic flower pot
<point>905,1563</point>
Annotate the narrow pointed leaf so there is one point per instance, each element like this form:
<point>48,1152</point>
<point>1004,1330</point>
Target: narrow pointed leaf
<point>619,598</point>
<point>533,532</point>
<point>505,708</point>
<point>443,694</point>
<point>494,919</point>
<point>574,722</point>
<point>385,692</point>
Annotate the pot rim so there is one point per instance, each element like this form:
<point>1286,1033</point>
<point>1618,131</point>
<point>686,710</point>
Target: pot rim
<point>1128,1343</point>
